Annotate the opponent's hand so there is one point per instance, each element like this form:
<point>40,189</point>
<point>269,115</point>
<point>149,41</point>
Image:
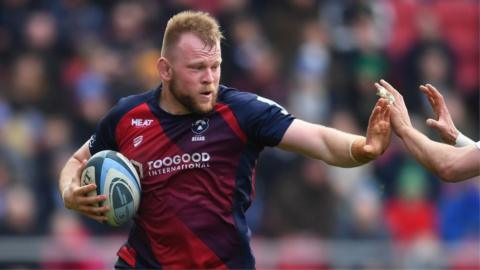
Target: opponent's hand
<point>75,197</point>
<point>443,122</point>
<point>378,131</point>
<point>399,116</point>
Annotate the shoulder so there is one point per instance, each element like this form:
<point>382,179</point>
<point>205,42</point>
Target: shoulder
<point>126,104</point>
<point>245,100</point>
<point>263,120</point>
<point>129,102</point>
<point>232,96</point>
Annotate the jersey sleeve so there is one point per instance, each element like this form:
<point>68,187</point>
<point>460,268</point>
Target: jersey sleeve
<point>266,121</point>
<point>104,136</point>
<point>478,145</point>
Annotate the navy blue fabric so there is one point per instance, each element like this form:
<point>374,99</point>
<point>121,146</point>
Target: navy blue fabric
<point>263,120</point>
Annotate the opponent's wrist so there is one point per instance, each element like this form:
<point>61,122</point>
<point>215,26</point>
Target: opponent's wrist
<point>449,136</point>
<point>463,140</point>
<point>403,131</point>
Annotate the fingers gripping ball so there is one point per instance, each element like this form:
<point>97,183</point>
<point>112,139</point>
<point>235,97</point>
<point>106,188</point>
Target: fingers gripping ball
<point>115,177</point>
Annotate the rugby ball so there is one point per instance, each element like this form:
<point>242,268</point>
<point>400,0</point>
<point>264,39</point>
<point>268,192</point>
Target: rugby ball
<point>114,176</point>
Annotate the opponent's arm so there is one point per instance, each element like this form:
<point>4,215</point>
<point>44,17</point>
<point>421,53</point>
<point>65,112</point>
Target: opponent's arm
<point>448,162</point>
<point>74,195</point>
<point>340,148</point>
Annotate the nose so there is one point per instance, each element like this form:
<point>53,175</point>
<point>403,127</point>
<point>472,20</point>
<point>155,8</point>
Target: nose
<point>208,76</point>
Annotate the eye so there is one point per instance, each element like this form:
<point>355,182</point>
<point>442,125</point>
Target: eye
<point>215,67</point>
<point>196,67</point>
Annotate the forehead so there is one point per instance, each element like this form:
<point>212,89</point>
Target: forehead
<point>192,48</point>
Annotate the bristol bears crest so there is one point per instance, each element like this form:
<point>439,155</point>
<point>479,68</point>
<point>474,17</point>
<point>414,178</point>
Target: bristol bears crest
<point>199,126</point>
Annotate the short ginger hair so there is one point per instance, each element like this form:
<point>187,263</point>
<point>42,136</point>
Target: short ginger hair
<point>199,23</point>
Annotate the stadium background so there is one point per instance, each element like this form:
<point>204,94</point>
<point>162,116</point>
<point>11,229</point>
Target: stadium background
<point>64,63</point>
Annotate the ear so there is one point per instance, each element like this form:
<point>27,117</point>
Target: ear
<point>164,69</point>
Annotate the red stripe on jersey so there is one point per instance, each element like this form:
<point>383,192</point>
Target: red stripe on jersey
<point>132,124</point>
<point>139,136</point>
<point>189,252</point>
<point>231,120</point>
<point>128,255</point>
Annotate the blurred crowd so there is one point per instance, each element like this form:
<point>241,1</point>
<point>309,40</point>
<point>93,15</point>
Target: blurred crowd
<point>63,64</point>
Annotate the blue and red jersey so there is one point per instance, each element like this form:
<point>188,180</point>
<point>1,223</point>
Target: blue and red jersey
<point>197,175</point>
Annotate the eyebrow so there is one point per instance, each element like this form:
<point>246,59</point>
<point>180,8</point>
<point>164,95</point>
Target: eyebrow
<point>202,62</point>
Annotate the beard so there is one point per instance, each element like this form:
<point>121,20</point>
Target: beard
<point>189,102</point>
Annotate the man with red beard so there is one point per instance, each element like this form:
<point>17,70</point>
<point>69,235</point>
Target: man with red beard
<point>196,143</point>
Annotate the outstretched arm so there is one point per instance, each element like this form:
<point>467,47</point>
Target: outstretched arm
<point>450,163</point>
<point>443,122</point>
<point>340,148</point>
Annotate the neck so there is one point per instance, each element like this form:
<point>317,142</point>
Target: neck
<point>169,103</point>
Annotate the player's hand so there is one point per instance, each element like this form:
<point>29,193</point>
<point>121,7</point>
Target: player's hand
<point>399,116</point>
<point>75,197</point>
<point>378,131</point>
<point>443,122</point>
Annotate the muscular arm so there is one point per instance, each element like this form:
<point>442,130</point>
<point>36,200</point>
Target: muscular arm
<point>75,196</point>
<point>450,163</point>
<point>339,148</point>
<point>72,166</point>
<point>320,142</point>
